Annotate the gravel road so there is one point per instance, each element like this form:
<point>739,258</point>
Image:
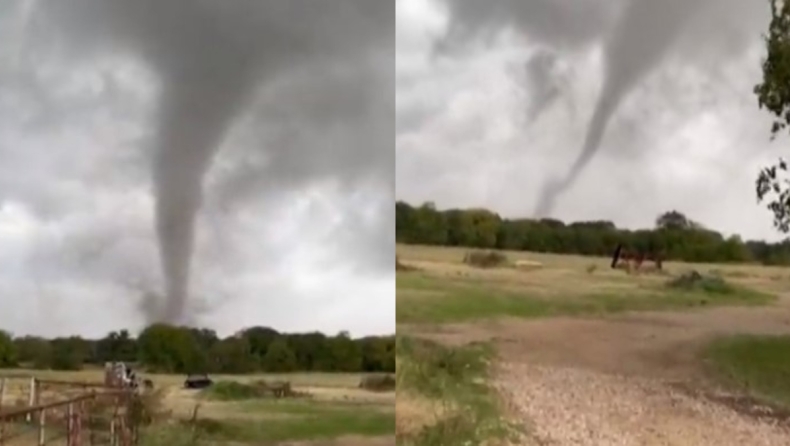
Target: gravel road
<point>613,380</point>
<point>567,406</point>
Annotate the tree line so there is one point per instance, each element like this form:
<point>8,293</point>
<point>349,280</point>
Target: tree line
<point>674,236</point>
<point>162,348</point>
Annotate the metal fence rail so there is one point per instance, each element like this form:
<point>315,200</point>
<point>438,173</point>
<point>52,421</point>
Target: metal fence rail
<point>95,417</point>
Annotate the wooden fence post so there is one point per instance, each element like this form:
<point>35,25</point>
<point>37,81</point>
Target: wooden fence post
<point>31,398</point>
<point>2,392</point>
<point>42,439</point>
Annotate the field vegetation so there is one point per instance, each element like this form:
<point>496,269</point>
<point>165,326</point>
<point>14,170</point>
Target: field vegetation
<point>269,387</point>
<point>450,297</point>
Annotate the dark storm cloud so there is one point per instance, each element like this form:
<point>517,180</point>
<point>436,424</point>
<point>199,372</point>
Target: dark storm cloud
<point>637,35</point>
<point>565,23</point>
<point>310,83</point>
<point>544,82</point>
<point>641,38</point>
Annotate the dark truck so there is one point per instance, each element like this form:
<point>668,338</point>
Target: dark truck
<point>197,381</point>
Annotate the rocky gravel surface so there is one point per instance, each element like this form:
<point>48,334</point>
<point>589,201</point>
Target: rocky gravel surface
<point>575,407</point>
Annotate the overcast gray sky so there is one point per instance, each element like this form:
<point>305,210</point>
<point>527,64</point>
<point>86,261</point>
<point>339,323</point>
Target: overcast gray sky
<point>296,230</point>
<point>504,103</point>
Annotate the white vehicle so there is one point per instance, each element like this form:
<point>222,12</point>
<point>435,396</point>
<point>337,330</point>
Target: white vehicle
<point>118,374</point>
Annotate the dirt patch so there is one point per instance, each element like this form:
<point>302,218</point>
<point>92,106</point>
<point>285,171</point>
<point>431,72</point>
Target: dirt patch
<point>347,441</point>
<point>745,405</point>
<point>403,267</point>
<point>655,344</point>
<point>632,379</point>
<point>623,379</point>
<point>351,395</point>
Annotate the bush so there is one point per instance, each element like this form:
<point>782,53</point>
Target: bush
<point>234,391</point>
<point>378,383</point>
<point>485,259</point>
<point>694,281</point>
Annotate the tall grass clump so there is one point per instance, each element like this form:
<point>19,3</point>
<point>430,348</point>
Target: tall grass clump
<point>485,259</point>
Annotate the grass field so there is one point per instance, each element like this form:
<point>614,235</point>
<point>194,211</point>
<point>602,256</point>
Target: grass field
<point>443,304</point>
<point>333,408</point>
<point>443,289</point>
<point>760,365</point>
<point>445,386</point>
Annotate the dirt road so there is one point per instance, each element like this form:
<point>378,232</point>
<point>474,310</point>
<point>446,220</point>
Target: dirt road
<point>624,380</point>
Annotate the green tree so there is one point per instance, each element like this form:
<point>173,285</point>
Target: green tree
<point>233,355</point>
<point>378,354</point>
<point>8,354</point>
<point>170,349</point>
<point>431,224</point>
<point>675,236</point>
<point>34,351</point>
<point>279,357</point>
<point>68,353</point>
<point>345,353</point>
<point>311,351</point>
<point>259,339</point>
<point>167,348</point>
<point>116,346</point>
<point>673,220</point>
<point>773,94</point>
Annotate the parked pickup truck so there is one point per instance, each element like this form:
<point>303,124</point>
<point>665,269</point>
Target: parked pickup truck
<point>197,381</point>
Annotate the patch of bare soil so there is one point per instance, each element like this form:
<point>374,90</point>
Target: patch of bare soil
<point>631,379</point>
<point>656,344</point>
<point>347,441</point>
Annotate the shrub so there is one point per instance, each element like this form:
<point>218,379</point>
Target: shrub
<point>485,259</point>
<point>378,383</point>
<point>694,281</point>
<point>233,391</point>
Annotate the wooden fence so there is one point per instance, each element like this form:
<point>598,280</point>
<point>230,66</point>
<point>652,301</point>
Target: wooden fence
<point>97,415</point>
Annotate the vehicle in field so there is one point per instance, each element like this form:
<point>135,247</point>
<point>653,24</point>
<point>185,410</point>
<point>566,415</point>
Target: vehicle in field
<point>197,381</point>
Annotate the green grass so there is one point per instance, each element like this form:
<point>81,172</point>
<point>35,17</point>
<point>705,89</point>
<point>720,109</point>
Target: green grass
<point>271,420</point>
<point>756,365</point>
<point>295,422</point>
<point>461,300</point>
<point>306,407</point>
<point>455,377</point>
<point>231,391</point>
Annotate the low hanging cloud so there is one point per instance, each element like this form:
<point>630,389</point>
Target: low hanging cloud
<point>682,129</point>
<point>184,134</point>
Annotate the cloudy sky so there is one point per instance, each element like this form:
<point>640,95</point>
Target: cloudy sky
<point>296,230</point>
<point>494,98</point>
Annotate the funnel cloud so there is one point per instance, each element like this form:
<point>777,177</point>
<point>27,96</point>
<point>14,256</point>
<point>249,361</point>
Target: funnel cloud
<point>641,38</point>
<point>213,71</point>
<point>647,103</point>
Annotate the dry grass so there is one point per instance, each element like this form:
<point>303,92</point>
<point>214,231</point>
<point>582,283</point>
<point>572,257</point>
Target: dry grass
<point>297,379</point>
<point>442,395</point>
<point>330,408</point>
<point>554,266</point>
<point>415,412</point>
<point>445,289</point>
